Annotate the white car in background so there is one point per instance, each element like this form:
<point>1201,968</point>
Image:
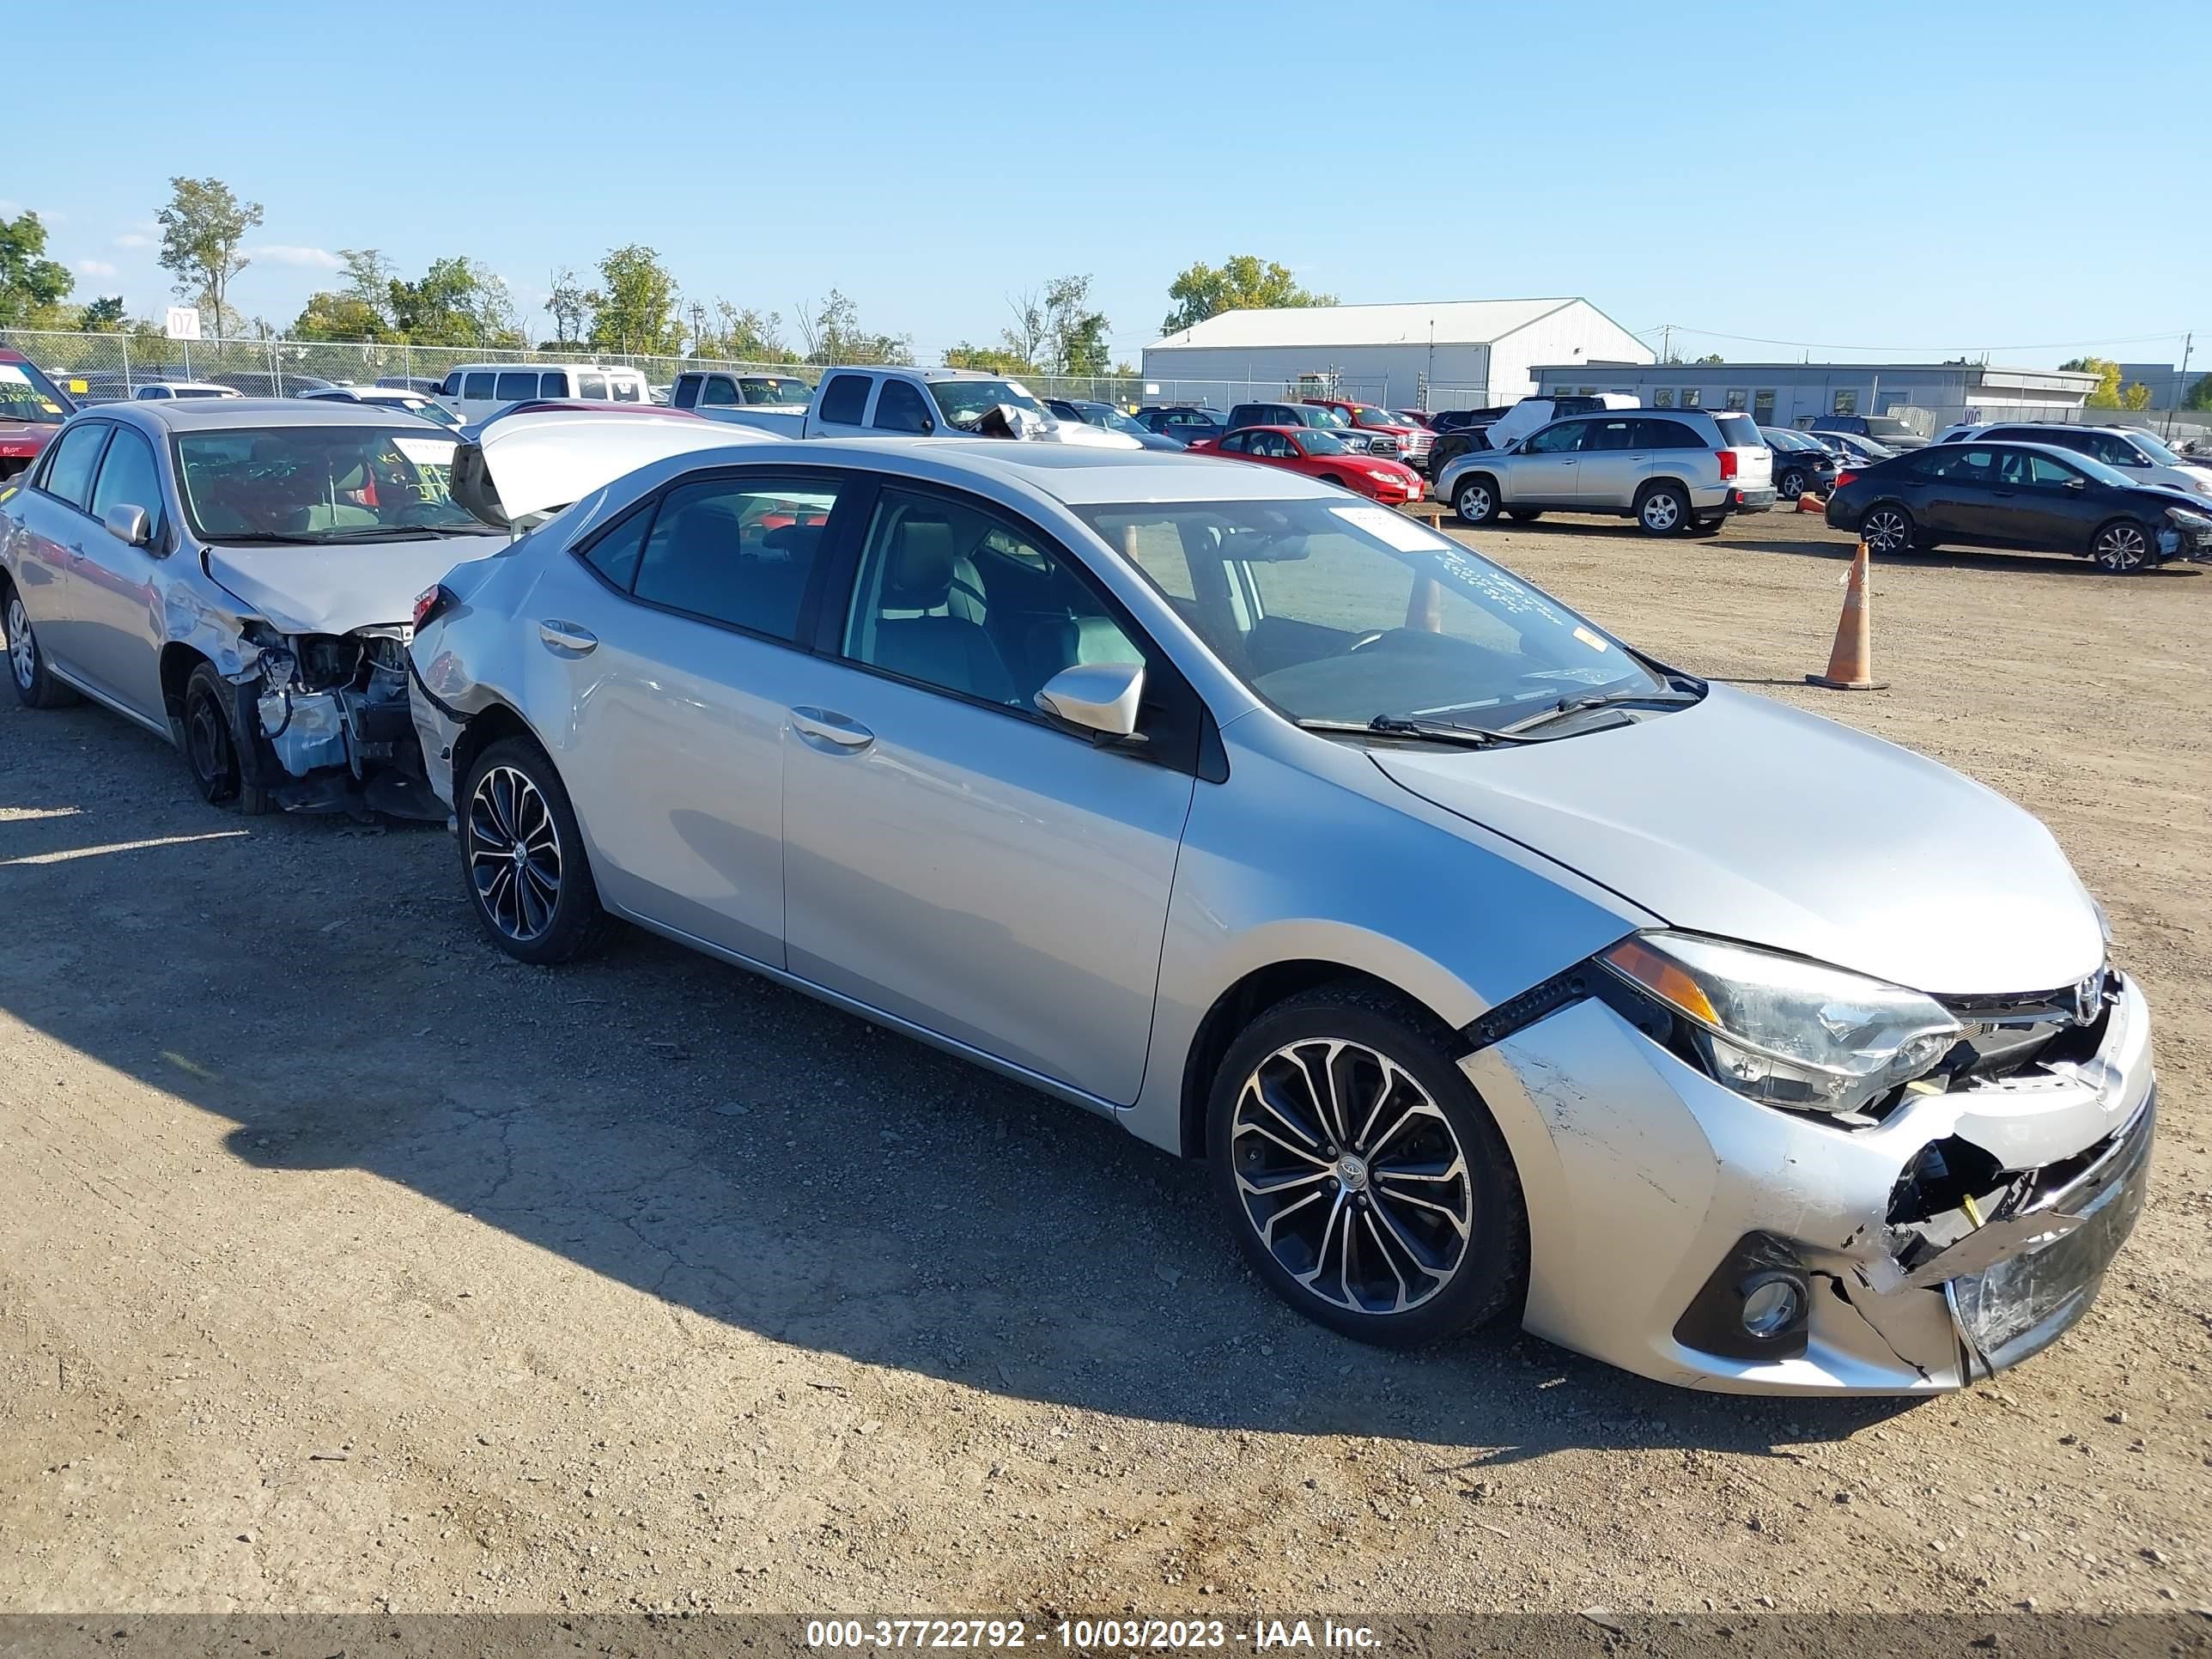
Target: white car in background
<point>386,397</point>
<point>162,391</point>
<point>2140,456</point>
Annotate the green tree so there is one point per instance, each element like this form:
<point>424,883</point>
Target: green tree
<point>2136,395</point>
<point>634,308</point>
<point>1712,357</point>
<point>2199,396</point>
<point>1074,335</point>
<point>570,304</point>
<point>993,360</point>
<point>2107,394</point>
<point>340,317</point>
<point>1242,283</point>
<point>29,282</point>
<point>738,335</point>
<point>832,333</point>
<point>201,229</point>
<point>103,316</point>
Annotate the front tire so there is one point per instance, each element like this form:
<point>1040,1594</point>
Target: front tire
<point>522,857</point>
<point>1364,1179</point>
<point>1791,485</point>
<point>2122,548</point>
<point>1888,529</point>
<point>211,746</point>
<point>1475,499</point>
<point>35,686</point>
<point>1662,510</point>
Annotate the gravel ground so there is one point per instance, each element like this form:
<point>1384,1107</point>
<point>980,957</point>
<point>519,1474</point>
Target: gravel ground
<point>344,1264</point>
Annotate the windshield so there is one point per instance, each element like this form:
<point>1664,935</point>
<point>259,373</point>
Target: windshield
<point>1886,426</point>
<point>1347,613</point>
<point>1313,414</point>
<point>965,402</point>
<point>1113,419</point>
<point>318,484</point>
<point>1364,416</point>
<point>774,389</point>
<point>2152,447</point>
<point>27,395</point>
<point>1322,443</point>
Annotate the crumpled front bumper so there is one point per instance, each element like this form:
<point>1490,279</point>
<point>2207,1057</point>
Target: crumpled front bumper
<point>1642,1177</point>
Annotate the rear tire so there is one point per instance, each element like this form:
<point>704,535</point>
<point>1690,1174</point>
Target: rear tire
<point>1662,509</point>
<point>523,861</point>
<point>35,686</point>
<point>211,745</point>
<point>1888,529</point>
<point>2123,548</point>
<point>1475,499</point>
<point>1386,1249</point>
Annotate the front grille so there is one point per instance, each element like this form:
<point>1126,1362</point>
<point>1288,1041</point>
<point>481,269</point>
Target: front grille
<point>2005,1035</point>
<point>1382,445</point>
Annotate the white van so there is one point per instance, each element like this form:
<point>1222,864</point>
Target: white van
<point>475,390</point>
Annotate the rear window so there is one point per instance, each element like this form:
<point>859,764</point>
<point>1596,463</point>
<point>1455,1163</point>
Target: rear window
<point>1739,431</point>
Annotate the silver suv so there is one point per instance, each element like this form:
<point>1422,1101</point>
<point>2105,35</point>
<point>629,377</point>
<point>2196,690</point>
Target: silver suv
<point>1668,468</point>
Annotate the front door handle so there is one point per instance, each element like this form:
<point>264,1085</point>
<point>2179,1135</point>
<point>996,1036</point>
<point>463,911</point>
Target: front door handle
<point>567,635</point>
<point>832,734</point>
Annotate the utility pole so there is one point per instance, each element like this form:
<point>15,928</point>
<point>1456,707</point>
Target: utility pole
<point>2181,385</point>
<point>1666,343</point>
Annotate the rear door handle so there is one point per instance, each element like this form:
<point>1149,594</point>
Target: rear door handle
<point>567,635</point>
<point>832,734</point>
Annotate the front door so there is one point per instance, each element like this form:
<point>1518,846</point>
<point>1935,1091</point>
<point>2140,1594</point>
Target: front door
<point>951,857</point>
<point>672,643</point>
<point>116,596</point>
<point>1544,473</point>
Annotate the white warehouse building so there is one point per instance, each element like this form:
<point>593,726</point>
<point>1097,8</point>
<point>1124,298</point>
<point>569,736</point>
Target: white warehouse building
<point>1452,353</point>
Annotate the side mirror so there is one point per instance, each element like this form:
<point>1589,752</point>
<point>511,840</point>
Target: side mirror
<point>129,525</point>
<point>1098,696</point>
<point>2077,483</point>
<point>928,425</point>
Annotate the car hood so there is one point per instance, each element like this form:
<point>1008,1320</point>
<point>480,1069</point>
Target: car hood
<point>547,459</point>
<point>337,589</point>
<point>1744,818</point>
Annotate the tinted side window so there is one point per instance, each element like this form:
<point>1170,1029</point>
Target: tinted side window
<point>451,387</point>
<point>716,392</point>
<point>1235,442</point>
<point>2047,470</point>
<point>686,393</point>
<point>737,551</point>
<point>1669,435</point>
<point>68,475</point>
<point>844,398</point>
<point>553,384</point>
<point>1559,440</point>
<point>479,387</point>
<point>592,385</point>
<point>1962,464</point>
<point>1617,435</point>
<point>615,555</point>
<point>514,384</point>
<point>625,390</point>
<point>899,407</point>
<point>128,477</point>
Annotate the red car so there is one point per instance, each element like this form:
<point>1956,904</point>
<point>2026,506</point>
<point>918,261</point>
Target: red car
<point>1318,455</point>
<point>32,409</point>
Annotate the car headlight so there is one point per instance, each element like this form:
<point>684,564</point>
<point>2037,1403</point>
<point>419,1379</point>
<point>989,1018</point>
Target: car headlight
<point>2187,520</point>
<point>1783,1032</point>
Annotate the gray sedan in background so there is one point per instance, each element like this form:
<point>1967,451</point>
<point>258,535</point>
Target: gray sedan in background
<point>235,575</point>
<point>1295,837</point>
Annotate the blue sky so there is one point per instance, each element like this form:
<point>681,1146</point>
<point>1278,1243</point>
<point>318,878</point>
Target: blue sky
<point>2025,178</point>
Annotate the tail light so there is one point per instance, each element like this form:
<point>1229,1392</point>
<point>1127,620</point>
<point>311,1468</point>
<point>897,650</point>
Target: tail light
<point>1845,476</point>
<point>1728,465</point>
<point>431,602</point>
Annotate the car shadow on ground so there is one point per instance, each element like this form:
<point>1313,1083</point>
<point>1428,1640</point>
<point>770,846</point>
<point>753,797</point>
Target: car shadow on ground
<point>711,1139</point>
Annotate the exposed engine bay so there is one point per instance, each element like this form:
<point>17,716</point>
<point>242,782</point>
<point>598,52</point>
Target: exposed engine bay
<point>330,714</point>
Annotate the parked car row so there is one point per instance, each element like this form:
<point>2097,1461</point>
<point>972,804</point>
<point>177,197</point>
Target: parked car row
<point>994,742</point>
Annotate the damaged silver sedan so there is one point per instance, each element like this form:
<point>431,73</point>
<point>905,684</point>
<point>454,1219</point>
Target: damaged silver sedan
<point>237,575</point>
<point>1497,969</point>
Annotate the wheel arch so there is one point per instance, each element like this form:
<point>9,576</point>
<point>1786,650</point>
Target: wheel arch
<point>494,722</point>
<point>178,660</point>
<point>1245,1001</point>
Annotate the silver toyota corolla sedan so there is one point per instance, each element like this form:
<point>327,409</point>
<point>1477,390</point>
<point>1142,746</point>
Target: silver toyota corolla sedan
<point>1495,967</point>
<point>235,575</point>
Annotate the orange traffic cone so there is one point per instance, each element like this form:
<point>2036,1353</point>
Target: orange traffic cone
<point>1851,664</point>
<point>1809,502</point>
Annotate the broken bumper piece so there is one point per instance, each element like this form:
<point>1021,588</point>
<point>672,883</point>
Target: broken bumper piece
<point>1669,1217</point>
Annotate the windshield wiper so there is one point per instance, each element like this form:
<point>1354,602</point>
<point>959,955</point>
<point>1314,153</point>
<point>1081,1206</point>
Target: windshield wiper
<point>1567,706</point>
<point>1394,726</point>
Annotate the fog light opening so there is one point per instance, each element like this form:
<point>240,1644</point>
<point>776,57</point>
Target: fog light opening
<point>1772,1302</point>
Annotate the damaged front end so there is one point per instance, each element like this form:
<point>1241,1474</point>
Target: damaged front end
<point>1951,1226</point>
<point>327,722</point>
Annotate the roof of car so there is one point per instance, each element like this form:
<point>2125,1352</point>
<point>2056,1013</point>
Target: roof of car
<point>213,414</point>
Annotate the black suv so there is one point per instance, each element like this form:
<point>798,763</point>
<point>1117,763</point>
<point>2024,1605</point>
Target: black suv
<point>1316,417</point>
<point>1186,422</point>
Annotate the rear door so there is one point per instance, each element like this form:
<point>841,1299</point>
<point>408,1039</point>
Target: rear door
<point>57,527</point>
<point>672,637</point>
<point>1954,493</point>
<point>1615,458</point>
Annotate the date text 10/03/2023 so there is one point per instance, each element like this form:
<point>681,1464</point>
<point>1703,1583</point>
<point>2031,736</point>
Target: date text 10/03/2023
<point>1150,1635</point>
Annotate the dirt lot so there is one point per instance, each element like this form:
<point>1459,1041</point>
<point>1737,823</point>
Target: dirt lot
<point>344,1264</point>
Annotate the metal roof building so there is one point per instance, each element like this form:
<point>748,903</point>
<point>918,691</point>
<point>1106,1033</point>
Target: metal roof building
<point>1446,354</point>
<point>1928,396</point>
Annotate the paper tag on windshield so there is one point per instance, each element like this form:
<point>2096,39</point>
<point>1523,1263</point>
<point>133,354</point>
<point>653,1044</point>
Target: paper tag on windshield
<point>1394,529</point>
<point>10,372</point>
<point>1589,639</point>
<point>425,452</point>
